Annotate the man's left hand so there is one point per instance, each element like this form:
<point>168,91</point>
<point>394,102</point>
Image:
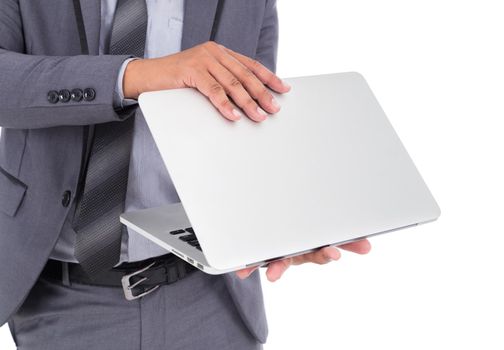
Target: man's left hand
<point>321,256</point>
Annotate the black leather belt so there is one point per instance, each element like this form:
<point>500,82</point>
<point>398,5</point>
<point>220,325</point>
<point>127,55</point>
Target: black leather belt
<point>136,279</point>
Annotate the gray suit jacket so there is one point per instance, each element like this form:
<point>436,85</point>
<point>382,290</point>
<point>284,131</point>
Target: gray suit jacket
<point>42,144</point>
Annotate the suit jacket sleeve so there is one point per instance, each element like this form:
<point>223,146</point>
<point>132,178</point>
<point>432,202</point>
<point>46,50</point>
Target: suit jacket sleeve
<point>25,81</point>
<point>268,39</point>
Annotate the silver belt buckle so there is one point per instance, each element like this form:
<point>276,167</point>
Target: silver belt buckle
<point>128,287</point>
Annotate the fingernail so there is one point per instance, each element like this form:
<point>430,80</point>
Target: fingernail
<point>287,86</point>
<point>237,113</point>
<point>262,112</point>
<point>275,103</point>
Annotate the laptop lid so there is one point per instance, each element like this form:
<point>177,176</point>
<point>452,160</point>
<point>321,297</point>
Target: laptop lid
<point>327,168</point>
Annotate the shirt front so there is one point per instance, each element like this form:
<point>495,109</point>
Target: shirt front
<point>149,184</point>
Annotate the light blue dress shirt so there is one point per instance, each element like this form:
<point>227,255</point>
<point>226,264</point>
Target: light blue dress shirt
<point>149,183</point>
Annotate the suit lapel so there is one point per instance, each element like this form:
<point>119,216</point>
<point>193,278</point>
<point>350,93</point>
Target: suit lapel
<point>198,20</point>
<point>91,13</point>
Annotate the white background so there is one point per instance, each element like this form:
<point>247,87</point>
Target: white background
<point>436,66</point>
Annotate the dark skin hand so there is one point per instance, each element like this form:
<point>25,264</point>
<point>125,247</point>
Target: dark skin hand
<point>218,73</point>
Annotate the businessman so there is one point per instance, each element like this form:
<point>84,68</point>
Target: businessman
<point>75,152</point>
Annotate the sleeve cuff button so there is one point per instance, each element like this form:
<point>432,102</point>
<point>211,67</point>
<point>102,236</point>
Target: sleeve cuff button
<point>89,94</point>
<point>52,97</point>
<point>64,96</point>
<point>77,95</point>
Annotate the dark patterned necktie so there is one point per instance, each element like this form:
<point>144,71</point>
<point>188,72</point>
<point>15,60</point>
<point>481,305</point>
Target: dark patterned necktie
<point>98,243</point>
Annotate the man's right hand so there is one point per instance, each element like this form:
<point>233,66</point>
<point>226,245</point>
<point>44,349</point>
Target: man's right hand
<point>215,71</point>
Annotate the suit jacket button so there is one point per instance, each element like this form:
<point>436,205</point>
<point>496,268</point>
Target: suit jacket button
<point>77,95</point>
<point>64,95</point>
<point>53,96</point>
<point>67,196</point>
<point>89,94</point>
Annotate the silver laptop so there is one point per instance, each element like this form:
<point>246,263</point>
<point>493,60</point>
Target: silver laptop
<point>326,170</point>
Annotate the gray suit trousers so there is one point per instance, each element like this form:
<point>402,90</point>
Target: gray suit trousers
<point>194,313</point>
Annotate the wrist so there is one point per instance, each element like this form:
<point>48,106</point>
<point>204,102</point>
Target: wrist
<point>132,79</point>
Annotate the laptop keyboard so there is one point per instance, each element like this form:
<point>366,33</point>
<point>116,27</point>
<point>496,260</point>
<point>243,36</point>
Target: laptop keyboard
<point>187,235</point>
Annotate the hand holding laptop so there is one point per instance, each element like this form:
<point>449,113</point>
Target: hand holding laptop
<point>221,74</point>
<point>322,256</point>
<point>216,72</point>
<point>328,170</point>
